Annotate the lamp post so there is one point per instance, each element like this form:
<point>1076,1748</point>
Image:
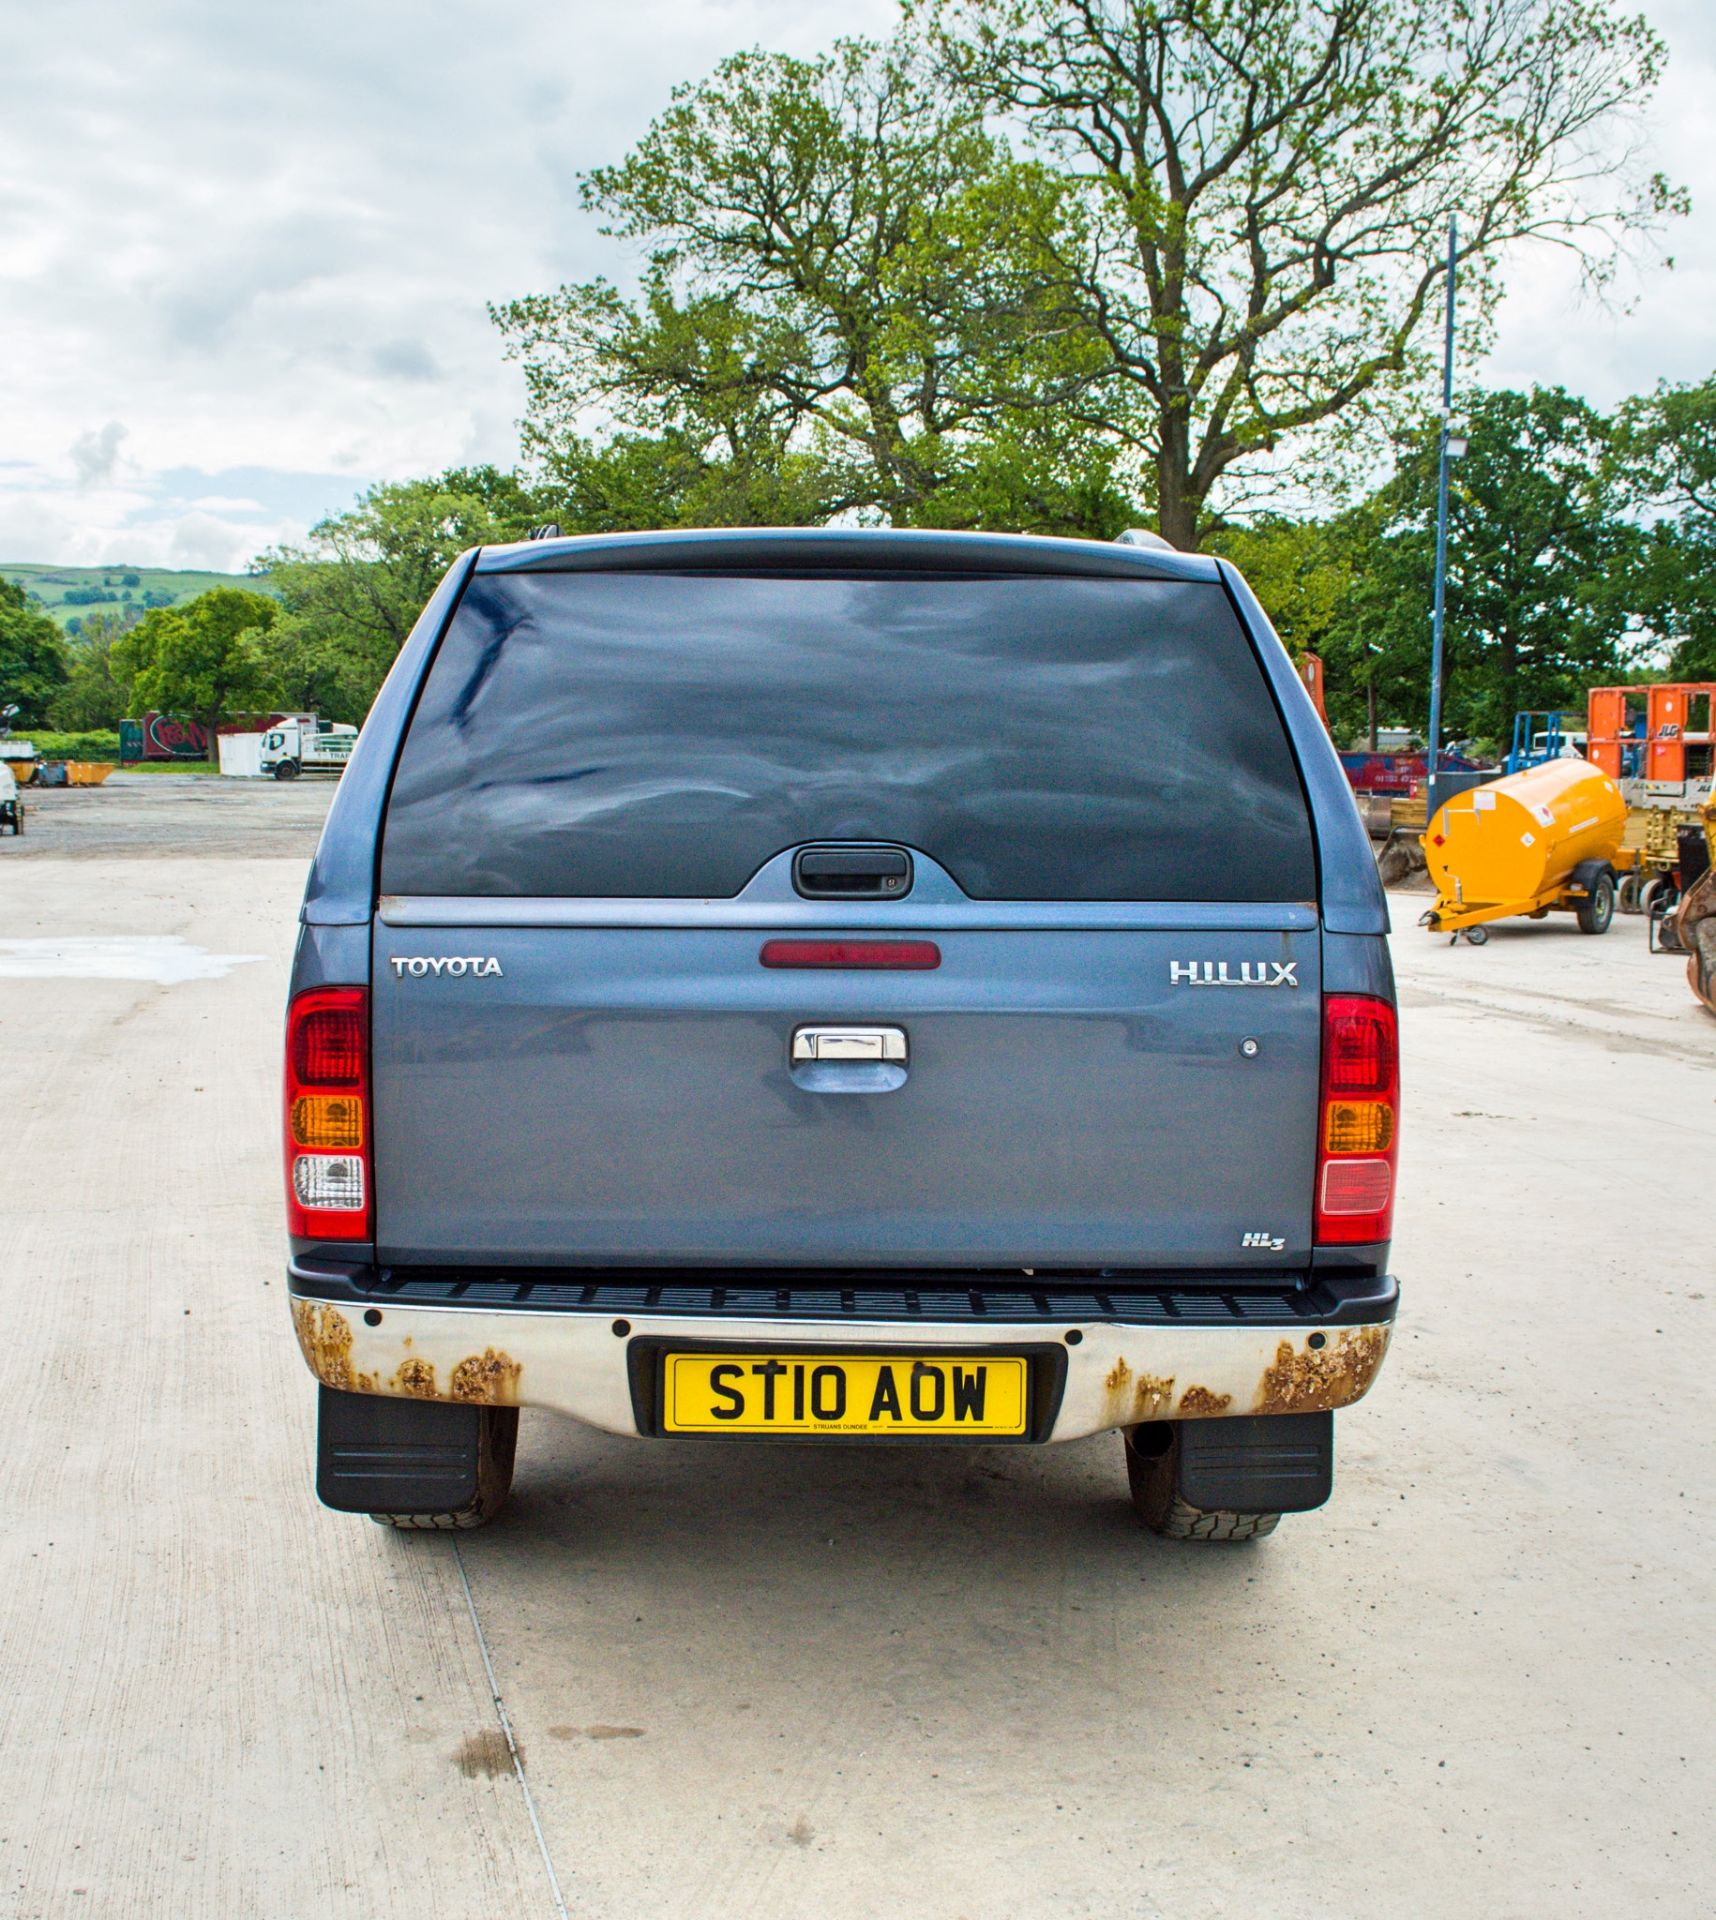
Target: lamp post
<point>1444,453</point>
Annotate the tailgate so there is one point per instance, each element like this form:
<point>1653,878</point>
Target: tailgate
<point>627,1096</point>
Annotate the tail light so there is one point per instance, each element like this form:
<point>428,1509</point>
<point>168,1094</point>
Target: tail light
<point>1358,1140</point>
<point>328,1183</point>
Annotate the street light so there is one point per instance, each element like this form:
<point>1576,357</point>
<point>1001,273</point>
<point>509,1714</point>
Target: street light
<point>1445,453</point>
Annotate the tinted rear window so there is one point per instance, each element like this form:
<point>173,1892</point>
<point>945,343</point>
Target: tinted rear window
<point>1043,738</point>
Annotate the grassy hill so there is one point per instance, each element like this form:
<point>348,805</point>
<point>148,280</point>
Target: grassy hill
<point>70,593</point>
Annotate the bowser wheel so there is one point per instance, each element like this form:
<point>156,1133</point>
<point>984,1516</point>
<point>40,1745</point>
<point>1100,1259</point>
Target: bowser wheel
<point>1597,909</point>
<point>1477,936</point>
<point>1627,893</point>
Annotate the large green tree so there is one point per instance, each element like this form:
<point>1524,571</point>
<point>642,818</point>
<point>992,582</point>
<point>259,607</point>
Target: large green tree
<point>206,659</point>
<point>354,589</point>
<point>1665,443</point>
<point>34,660</point>
<point>840,311</point>
<point>94,695</point>
<point>1544,562</point>
<point>1300,569</point>
<point>1263,190</point>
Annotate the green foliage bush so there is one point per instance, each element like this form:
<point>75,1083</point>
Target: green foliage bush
<point>100,744</point>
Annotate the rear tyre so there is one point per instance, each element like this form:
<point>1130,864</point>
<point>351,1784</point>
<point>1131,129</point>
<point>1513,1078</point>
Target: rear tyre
<point>1597,909</point>
<point>1152,1471</point>
<point>497,1448</point>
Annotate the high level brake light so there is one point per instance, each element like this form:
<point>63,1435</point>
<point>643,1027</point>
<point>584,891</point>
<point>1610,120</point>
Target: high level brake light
<point>1358,1137</point>
<point>910,956</point>
<point>328,1182</point>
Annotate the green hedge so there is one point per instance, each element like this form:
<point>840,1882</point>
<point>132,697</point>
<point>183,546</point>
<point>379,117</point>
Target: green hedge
<point>102,744</point>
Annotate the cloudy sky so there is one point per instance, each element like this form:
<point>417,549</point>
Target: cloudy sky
<point>245,251</point>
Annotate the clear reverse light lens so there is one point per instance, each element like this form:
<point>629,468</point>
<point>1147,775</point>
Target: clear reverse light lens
<point>1357,1186</point>
<point>333,1181</point>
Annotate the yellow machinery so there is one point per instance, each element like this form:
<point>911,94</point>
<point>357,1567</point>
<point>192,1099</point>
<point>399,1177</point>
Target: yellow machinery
<point>1650,856</point>
<point>1527,843</point>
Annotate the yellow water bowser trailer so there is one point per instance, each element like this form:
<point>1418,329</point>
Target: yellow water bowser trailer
<point>1530,843</point>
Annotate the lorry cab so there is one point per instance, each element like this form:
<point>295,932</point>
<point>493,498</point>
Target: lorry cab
<point>304,744</point>
<point>842,986</point>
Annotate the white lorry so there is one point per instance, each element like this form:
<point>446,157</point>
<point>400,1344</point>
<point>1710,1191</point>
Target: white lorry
<point>303,744</point>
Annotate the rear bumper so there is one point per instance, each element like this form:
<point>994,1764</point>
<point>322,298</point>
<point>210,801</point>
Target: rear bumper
<point>1130,1356</point>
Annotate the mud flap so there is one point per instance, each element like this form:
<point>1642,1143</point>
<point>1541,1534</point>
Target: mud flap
<point>379,1455</point>
<point>1257,1463</point>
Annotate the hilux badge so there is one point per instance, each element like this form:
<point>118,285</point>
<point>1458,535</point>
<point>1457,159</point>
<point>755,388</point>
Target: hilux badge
<point>1242,973</point>
<point>483,965</point>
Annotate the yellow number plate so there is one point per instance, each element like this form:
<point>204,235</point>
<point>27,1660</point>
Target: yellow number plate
<point>845,1393</point>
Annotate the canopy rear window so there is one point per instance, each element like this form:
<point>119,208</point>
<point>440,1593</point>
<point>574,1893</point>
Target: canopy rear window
<point>663,735</point>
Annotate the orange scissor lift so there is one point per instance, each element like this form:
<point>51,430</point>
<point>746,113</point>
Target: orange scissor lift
<point>1674,744</point>
<point>1659,742</point>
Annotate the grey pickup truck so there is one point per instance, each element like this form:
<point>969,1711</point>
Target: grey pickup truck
<point>842,987</point>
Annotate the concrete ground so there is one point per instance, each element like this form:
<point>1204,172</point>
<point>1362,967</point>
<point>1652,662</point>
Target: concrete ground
<point>842,1683</point>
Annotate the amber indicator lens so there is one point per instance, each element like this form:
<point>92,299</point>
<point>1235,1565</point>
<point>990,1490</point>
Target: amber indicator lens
<point>1358,1126</point>
<point>327,1120</point>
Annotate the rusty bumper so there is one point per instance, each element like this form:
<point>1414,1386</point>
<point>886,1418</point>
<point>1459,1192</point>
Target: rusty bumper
<point>1117,1375</point>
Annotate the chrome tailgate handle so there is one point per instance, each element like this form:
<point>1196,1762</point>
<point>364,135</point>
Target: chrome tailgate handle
<point>849,1043</point>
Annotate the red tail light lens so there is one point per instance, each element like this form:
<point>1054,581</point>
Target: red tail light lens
<point>1360,1050</point>
<point>329,1187</point>
<point>327,1044</point>
<point>1358,1134</point>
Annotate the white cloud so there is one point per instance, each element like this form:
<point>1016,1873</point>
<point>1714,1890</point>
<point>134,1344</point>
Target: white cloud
<point>265,238</point>
<point>1655,323</point>
<point>245,253</point>
<point>206,540</point>
<point>95,454</point>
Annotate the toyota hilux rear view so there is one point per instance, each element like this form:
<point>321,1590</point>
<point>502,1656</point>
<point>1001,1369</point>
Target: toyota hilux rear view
<point>842,987</point>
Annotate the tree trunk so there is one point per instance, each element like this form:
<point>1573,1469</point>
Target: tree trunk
<point>1176,509</point>
<point>1179,525</point>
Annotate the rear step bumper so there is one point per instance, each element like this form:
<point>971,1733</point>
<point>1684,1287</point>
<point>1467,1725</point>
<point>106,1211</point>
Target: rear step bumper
<point>1133,1352</point>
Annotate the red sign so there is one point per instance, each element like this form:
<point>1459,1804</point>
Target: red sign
<point>165,737</point>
